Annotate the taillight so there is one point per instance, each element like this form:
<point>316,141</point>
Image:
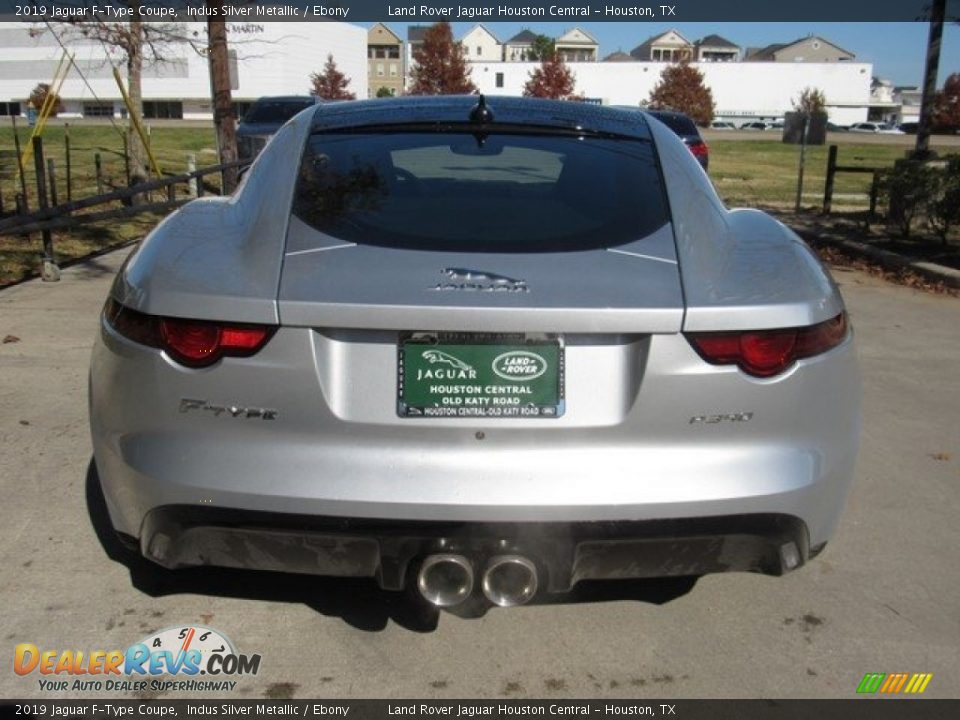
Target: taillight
<point>765,353</point>
<point>699,149</point>
<point>196,343</point>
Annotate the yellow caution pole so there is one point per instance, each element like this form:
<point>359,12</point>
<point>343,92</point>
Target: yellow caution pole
<point>134,118</point>
<point>44,110</point>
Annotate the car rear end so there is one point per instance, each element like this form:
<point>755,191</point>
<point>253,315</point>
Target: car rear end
<point>478,380</point>
<point>687,131</point>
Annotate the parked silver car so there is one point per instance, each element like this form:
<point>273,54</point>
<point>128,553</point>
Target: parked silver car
<point>485,348</point>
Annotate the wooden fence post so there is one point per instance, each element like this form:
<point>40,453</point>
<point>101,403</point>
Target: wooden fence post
<point>874,193</point>
<point>192,168</point>
<point>99,171</point>
<point>52,178</point>
<point>25,205</point>
<point>828,186</point>
<point>66,147</point>
<point>50,272</point>
<point>126,159</point>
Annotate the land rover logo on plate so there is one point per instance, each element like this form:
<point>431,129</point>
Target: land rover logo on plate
<point>519,365</point>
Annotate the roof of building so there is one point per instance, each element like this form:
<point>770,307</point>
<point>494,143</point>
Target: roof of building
<point>483,27</point>
<point>618,56</point>
<point>524,36</point>
<point>765,53</point>
<point>769,52</point>
<point>716,41</point>
<point>565,39</point>
<point>386,28</point>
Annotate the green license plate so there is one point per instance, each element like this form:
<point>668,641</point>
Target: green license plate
<point>461,375</point>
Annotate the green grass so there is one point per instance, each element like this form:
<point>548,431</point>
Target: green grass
<point>764,172</point>
<point>170,147</point>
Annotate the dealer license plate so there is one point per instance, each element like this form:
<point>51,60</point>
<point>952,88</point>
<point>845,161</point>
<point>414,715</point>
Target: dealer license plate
<point>461,375</point>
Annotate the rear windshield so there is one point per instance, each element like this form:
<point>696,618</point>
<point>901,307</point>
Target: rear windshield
<point>493,193</point>
<point>275,111</point>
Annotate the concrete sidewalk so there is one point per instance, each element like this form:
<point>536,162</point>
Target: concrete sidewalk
<point>882,598</point>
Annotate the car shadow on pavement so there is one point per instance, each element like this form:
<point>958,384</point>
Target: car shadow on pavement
<point>359,602</point>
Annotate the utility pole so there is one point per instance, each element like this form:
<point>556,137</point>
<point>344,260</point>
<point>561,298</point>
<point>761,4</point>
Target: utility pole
<point>223,115</point>
<point>937,12</point>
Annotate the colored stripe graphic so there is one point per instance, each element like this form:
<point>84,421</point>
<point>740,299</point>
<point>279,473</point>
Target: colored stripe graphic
<point>918,683</point>
<point>894,683</point>
<point>871,682</point>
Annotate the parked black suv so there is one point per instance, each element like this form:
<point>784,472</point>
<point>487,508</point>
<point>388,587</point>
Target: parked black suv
<point>264,118</point>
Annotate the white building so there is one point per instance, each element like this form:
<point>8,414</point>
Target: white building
<point>270,58</point>
<point>741,91</point>
<point>481,45</point>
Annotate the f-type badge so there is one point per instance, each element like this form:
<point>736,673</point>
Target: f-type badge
<point>478,281</point>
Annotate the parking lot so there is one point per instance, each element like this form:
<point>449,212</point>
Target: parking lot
<point>882,597</point>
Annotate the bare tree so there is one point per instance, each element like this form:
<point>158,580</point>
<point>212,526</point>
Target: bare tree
<point>138,43</point>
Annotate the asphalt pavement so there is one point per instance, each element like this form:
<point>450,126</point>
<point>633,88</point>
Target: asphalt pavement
<point>882,598</point>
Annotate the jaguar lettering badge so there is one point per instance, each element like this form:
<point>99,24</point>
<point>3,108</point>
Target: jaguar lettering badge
<point>519,365</point>
<point>478,281</point>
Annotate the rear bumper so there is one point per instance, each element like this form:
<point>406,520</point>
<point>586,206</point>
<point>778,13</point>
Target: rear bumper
<point>177,536</point>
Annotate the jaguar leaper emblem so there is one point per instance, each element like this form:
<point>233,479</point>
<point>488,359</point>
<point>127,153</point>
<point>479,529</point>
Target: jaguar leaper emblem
<point>478,281</point>
<point>437,356</point>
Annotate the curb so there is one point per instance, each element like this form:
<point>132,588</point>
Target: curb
<point>885,258</point>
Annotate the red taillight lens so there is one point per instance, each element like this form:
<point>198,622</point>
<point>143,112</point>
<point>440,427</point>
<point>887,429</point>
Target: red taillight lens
<point>195,343</point>
<point>699,149</point>
<point>198,343</point>
<point>765,353</point>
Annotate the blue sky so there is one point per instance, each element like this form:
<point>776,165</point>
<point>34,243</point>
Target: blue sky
<point>897,50</point>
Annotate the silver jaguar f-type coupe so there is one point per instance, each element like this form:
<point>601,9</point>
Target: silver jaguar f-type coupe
<point>480,347</point>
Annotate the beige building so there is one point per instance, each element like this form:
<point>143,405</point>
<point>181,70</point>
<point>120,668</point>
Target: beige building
<point>481,45</point>
<point>577,46</point>
<point>670,46</point>
<point>809,49</point>
<point>384,61</point>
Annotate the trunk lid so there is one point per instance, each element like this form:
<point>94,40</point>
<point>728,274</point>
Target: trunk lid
<point>632,288</point>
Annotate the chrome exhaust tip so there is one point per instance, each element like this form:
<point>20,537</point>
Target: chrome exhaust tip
<point>509,580</point>
<point>445,580</point>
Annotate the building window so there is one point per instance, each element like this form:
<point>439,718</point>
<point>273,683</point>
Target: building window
<point>92,109</point>
<point>479,51</point>
<point>499,80</point>
<point>379,69</point>
<point>163,109</point>
<point>393,69</point>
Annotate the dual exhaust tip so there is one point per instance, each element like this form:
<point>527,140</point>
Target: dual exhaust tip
<point>446,580</point>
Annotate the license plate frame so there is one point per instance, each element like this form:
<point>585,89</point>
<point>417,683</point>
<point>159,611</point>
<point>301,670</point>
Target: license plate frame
<point>482,375</point>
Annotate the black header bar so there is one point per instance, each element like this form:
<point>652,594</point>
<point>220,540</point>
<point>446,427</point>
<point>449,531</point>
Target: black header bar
<point>566,11</point>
